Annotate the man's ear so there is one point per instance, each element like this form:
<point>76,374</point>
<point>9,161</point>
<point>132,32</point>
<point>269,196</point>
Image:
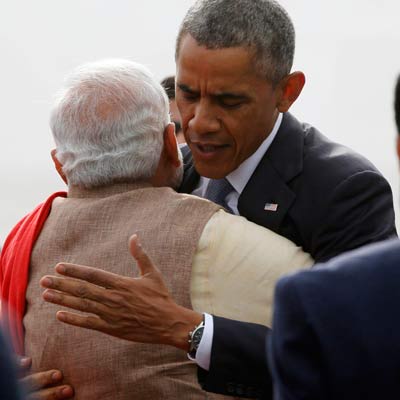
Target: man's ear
<point>58,165</point>
<point>290,89</point>
<point>171,145</point>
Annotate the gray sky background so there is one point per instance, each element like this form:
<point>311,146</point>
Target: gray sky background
<point>348,50</point>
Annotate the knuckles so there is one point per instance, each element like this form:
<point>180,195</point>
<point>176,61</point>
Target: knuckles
<point>81,291</point>
<point>115,299</point>
<point>87,305</point>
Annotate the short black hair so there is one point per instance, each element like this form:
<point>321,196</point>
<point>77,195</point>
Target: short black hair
<point>168,84</point>
<point>397,104</point>
<point>261,26</point>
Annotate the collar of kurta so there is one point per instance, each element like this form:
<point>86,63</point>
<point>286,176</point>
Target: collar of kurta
<point>107,190</point>
<point>14,270</point>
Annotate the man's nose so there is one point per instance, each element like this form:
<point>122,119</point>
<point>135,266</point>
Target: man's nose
<point>204,119</point>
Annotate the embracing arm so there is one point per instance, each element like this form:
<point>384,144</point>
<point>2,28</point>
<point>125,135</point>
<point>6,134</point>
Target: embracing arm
<point>135,309</point>
<point>142,310</point>
<point>238,360</point>
<point>238,283</point>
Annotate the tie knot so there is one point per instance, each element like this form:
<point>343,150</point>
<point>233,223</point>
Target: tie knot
<point>217,190</point>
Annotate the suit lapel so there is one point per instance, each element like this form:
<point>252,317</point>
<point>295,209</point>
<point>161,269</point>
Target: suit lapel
<point>269,183</point>
<point>262,190</point>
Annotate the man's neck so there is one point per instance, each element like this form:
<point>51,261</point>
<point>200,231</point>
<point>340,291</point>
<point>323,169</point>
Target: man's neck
<point>105,191</point>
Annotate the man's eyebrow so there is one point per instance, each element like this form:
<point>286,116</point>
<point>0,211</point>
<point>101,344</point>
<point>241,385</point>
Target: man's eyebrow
<point>186,88</point>
<point>229,95</point>
<point>225,95</point>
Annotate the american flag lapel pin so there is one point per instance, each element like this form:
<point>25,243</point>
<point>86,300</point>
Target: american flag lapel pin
<point>271,207</point>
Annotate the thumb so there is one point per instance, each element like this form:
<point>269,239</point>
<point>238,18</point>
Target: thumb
<point>143,260</point>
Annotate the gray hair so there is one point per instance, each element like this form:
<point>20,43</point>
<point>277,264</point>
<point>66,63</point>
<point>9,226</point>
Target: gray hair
<point>108,123</point>
<point>261,25</point>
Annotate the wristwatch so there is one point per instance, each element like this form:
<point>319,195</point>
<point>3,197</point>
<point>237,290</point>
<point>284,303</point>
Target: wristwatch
<point>194,340</point>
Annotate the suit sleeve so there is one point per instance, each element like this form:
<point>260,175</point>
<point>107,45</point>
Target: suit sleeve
<point>294,354</point>
<point>360,211</point>
<point>238,360</point>
<point>8,382</point>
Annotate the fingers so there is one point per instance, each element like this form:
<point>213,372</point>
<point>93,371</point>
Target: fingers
<point>40,380</point>
<point>76,288</point>
<point>143,260</point>
<point>83,321</point>
<point>37,384</point>
<point>53,393</point>
<point>76,303</point>
<point>89,274</point>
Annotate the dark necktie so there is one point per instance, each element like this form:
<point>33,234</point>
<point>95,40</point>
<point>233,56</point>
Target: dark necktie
<point>217,190</point>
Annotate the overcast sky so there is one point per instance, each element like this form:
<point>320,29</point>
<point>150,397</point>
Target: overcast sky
<point>348,50</point>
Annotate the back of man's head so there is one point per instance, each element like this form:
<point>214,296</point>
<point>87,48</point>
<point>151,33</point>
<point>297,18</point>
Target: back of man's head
<point>263,26</point>
<point>108,123</point>
<point>168,84</point>
<point>397,104</point>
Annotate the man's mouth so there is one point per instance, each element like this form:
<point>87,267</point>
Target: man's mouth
<point>208,148</point>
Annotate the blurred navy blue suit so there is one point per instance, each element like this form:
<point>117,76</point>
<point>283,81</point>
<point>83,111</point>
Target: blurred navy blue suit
<point>8,383</point>
<point>336,329</point>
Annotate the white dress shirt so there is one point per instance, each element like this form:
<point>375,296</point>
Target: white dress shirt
<point>238,179</point>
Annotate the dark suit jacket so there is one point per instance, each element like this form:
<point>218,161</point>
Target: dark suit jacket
<point>330,200</point>
<point>336,329</point>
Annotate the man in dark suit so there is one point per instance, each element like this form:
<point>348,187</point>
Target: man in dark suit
<point>325,194</point>
<point>234,90</point>
<point>336,335</point>
<point>234,87</point>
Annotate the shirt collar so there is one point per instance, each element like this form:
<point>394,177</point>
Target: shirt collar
<point>241,175</point>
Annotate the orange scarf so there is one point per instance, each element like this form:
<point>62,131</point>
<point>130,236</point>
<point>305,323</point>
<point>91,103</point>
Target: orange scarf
<point>14,270</point>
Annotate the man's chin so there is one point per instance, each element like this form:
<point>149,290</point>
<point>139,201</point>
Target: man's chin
<point>214,172</point>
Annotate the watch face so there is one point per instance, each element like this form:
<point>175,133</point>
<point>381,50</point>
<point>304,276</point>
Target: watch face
<point>197,336</point>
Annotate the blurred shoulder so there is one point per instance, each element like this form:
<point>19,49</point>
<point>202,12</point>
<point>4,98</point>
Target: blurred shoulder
<point>371,263</point>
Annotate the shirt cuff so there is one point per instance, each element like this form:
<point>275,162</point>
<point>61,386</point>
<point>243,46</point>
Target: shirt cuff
<point>203,354</point>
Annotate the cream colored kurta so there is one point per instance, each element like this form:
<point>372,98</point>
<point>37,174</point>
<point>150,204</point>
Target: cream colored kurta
<point>236,266</point>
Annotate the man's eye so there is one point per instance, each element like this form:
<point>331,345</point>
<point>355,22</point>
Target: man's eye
<point>190,96</point>
<point>231,103</point>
